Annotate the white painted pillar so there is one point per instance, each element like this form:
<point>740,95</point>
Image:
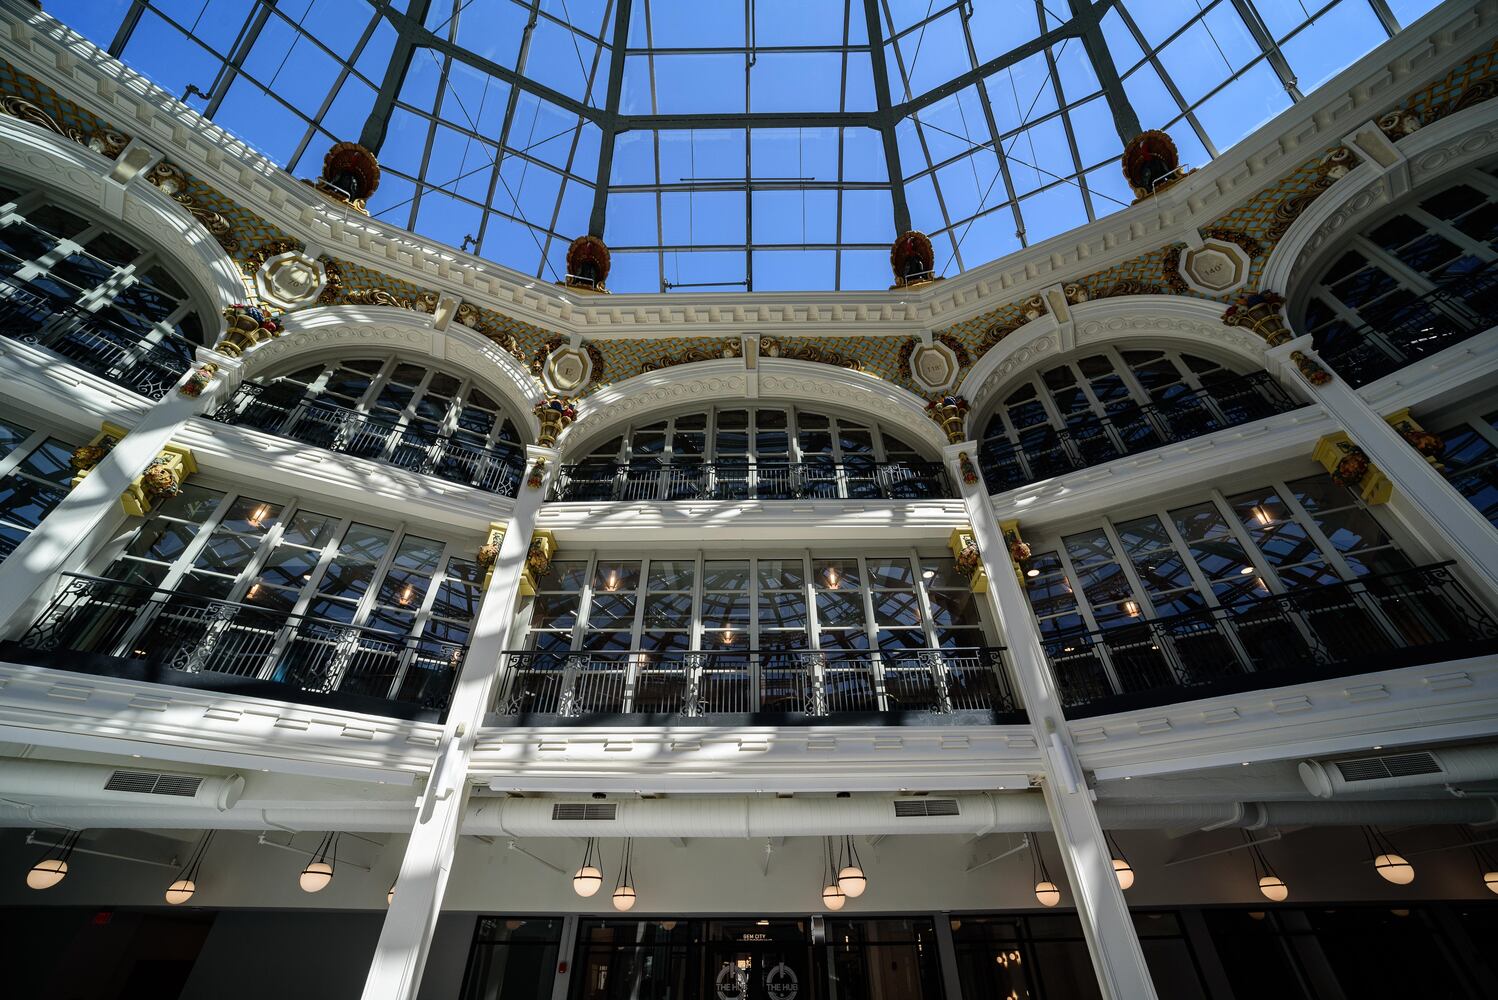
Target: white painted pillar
<point>1117,957</point>
<point>34,565</point>
<point>406,936</point>
<point>1454,523</point>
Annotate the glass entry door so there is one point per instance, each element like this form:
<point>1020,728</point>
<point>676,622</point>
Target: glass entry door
<point>761,971</point>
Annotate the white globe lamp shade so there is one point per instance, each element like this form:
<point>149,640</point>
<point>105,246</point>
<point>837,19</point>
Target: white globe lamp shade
<point>46,873</point>
<point>833,897</point>
<point>1274,888</point>
<point>1047,893</point>
<point>316,876</point>
<point>587,881</point>
<point>1490,879</point>
<point>1124,873</point>
<point>180,891</point>
<point>390,894</point>
<point>1394,869</point>
<point>852,881</point>
<point>624,897</point>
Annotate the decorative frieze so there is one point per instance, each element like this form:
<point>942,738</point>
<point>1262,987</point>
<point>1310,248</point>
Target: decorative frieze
<point>1310,368</point>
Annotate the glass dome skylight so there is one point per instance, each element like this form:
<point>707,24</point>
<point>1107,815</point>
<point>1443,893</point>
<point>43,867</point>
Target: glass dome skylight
<point>725,145</point>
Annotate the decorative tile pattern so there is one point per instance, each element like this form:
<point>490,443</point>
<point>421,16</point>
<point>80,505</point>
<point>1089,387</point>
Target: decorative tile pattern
<point>1433,101</point>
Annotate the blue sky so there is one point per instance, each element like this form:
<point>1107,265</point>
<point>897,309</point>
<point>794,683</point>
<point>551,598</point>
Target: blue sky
<point>494,135</point>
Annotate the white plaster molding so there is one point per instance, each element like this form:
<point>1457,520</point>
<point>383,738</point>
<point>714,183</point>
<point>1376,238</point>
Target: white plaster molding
<point>48,50</point>
<point>1456,699</point>
<point>1446,145</point>
<point>803,382</point>
<point>687,522</point>
<point>114,715</point>
<point>708,759</point>
<point>53,163</point>
<point>44,384</point>
<point>1177,321</point>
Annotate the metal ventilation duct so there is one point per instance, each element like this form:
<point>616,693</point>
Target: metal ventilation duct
<point>45,779</point>
<point>1380,772</point>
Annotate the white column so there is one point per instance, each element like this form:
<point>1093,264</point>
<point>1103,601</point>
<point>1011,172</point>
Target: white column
<point>1457,526</point>
<point>406,936</point>
<point>1117,957</point>
<point>34,565</point>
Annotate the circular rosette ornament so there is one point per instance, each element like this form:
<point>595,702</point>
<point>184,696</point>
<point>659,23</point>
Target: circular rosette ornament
<point>912,259</point>
<point>588,264</point>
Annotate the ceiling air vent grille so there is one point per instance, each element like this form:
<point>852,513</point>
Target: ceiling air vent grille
<point>584,810</point>
<point>1397,766</point>
<point>153,783</point>
<point>906,808</point>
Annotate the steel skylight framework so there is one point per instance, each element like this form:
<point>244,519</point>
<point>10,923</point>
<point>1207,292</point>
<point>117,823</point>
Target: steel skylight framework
<point>739,144</point>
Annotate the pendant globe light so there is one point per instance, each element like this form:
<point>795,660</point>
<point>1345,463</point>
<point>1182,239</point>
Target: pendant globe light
<point>1390,866</point>
<point>1271,885</point>
<point>1487,861</point>
<point>186,884</point>
<point>390,894</point>
<point>52,867</point>
<point>624,889</point>
<point>1047,892</point>
<point>833,896</point>
<point>1122,870</point>
<point>587,880</point>
<point>850,877</point>
<point>317,875</point>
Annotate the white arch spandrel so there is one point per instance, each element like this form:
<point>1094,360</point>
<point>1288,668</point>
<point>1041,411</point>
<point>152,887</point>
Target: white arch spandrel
<point>1171,321</point>
<point>54,163</point>
<point>804,383</point>
<point>323,332</point>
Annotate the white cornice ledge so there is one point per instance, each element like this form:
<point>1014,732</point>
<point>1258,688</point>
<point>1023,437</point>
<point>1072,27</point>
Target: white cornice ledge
<point>48,50</point>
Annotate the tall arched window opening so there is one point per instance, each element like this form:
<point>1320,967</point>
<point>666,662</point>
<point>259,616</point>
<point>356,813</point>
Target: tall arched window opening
<point>92,294</point>
<point>394,410</point>
<point>1412,284</point>
<point>764,452</point>
<point>1114,402</point>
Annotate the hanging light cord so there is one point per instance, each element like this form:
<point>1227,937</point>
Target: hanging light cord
<point>328,845</point>
<point>1113,846</point>
<point>63,847</point>
<point>853,858</point>
<point>189,872</point>
<point>626,864</point>
<point>1037,865</point>
<point>1377,842</point>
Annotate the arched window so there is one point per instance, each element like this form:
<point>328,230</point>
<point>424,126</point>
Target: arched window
<point>1413,283</point>
<point>92,294</point>
<point>1113,402</point>
<point>394,410</point>
<point>766,452</point>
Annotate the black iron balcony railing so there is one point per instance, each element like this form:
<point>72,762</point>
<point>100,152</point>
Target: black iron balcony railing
<point>337,428</point>
<point>140,359</point>
<point>1462,306</point>
<point>802,685</point>
<point>1420,615</point>
<point>1043,452</point>
<point>813,480</point>
<point>122,629</point>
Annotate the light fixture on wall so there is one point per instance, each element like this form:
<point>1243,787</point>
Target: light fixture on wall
<point>624,889</point>
<point>611,582</point>
<point>1390,866</point>
<point>52,867</point>
<point>1047,893</point>
<point>833,896</point>
<point>1032,572</point>
<point>587,880</point>
<point>850,877</point>
<point>1271,885</point>
<point>258,515</point>
<point>186,884</point>
<point>390,894</point>
<point>831,577</point>
<point>1122,870</point>
<point>318,873</point>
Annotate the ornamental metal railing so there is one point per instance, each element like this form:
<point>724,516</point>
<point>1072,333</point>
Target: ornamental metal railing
<point>1461,306</point>
<point>724,480</point>
<point>140,358</point>
<point>173,635</point>
<point>1088,440</point>
<point>338,428</point>
<point>714,683</point>
<point>1419,615</point>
